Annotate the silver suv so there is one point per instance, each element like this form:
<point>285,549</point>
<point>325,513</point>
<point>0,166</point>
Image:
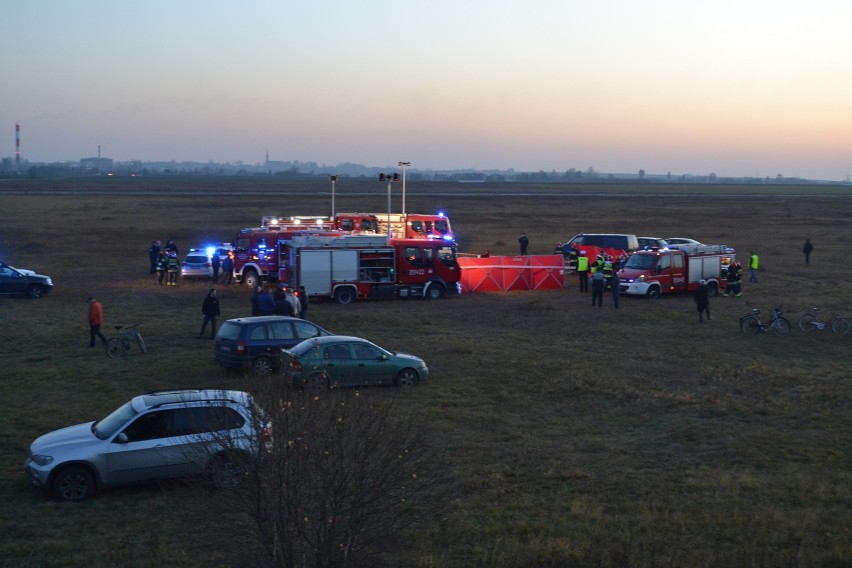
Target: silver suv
<point>154,436</point>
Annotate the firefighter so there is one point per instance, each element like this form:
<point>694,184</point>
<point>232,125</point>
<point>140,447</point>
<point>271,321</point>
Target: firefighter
<point>583,271</point>
<point>734,277</point>
<point>606,269</point>
<point>572,260</point>
<point>172,267</point>
<point>162,260</point>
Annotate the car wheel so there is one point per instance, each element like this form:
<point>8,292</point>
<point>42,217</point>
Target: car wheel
<point>227,471</point>
<point>344,295</point>
<point>35,292</point>
<point>435,292</point>
<point>73,483</point>
<point>407,378</point>
<point>251,279</point>
<point>316,383</point>
<point>711,290</point>
<point>653,293</point>
<point>261,367</point>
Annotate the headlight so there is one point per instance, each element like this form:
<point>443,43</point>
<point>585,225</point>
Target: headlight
<point>42,460</point>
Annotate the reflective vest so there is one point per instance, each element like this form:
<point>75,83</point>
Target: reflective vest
<point>753,262</point>
<point>582,264</point>
<point>607,269</point>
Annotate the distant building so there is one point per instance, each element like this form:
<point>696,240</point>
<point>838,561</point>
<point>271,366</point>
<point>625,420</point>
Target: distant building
<point>96,164</point>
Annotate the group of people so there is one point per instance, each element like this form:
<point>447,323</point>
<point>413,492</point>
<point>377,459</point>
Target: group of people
<point>164,262</point>
<point>226,265</point>
<point>604,276</point>
<point>285,302</point>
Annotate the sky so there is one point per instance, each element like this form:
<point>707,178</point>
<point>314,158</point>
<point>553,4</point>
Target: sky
<point>735,88</point>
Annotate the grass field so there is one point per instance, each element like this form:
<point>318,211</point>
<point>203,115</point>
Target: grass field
<point>577,436</point>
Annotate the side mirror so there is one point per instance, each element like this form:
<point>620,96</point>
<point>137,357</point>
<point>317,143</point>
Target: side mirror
<point>122,438</point>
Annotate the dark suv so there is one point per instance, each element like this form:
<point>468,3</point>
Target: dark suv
<point>20,282</point>
<point>255,343</point>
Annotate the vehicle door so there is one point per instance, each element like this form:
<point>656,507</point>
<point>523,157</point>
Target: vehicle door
<point>371,366</point>
<point>339,364</point>
<point>259,342</point>
<point>141,451</point>
<point>282,334</point>
<point>12,282</point>
<point>675,267</point>
<point>199,433</point>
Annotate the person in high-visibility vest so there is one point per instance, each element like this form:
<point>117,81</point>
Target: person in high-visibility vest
<point>606,269</point>
<point>753,263</point>
<point>583,271</point>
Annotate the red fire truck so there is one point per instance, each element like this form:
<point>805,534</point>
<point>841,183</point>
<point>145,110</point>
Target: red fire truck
<point>359,266</point>
<point>651,273</point>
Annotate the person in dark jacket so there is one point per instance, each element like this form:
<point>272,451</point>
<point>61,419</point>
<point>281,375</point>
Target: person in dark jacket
<point>305,302</point>
<point>598,283</point>
<point>228,269</point>
<point>523,243</point>
<point>255,301</point>
<point>702,300</point>
<point>154,255</point>
<point>283,307</point>
<point>210,310</point>
<point>807,250</point>
<point>265,303</point>
<point>216,262</point>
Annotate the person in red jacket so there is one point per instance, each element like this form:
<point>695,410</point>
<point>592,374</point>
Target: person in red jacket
<point>96,318</point>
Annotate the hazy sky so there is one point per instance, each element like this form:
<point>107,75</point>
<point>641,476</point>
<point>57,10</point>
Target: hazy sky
<point>739,87</point>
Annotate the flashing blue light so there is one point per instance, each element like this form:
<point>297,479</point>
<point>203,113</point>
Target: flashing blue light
<point>447,238</point>
<point>210,251</point>
<point>440,213</point>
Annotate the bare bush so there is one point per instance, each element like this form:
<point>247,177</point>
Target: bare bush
<point>346,476</point>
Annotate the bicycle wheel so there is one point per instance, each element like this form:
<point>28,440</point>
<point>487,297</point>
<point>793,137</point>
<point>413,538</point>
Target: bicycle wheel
<point>115,348</point>
<point>806,322</point>
<point>749,324</point>
<point>781,327</point>
<point>840,326</point>
<point>141,343</point>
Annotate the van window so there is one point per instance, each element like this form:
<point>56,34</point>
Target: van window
<point>281,330</point>
<point>442,227</point>
<point>665,262</point>
<point>258,333</point>
<point>305,330</point>
<point>417,226</point>
<point>678,261</point>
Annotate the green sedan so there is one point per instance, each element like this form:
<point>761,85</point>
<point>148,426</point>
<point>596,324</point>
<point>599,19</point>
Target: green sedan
<point>337,360</point>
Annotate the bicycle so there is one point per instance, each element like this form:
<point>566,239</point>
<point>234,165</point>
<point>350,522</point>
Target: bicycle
<point>811,321</point>
<point>751,323</point>
<point>116,346</point>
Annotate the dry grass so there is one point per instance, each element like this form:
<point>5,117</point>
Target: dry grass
<point>579,435</point>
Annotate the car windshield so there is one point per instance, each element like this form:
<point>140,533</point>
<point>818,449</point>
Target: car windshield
<point>104,429</point>
<point>642,261</point>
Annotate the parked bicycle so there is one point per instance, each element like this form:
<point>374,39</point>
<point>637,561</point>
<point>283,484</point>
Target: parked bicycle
<point>116,346</point>
<point>751,323</point>
<point>811,321</point>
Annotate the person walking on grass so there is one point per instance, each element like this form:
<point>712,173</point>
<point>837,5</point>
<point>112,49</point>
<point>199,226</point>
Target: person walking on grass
<point>702,301</point>
<point>210,311</point>
<point>753,264</point>
<point>96,319</point>
<point>807,250</point>
<point>598,283</point>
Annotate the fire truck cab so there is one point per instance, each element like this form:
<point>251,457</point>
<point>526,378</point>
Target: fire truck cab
<point>651,273</point>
